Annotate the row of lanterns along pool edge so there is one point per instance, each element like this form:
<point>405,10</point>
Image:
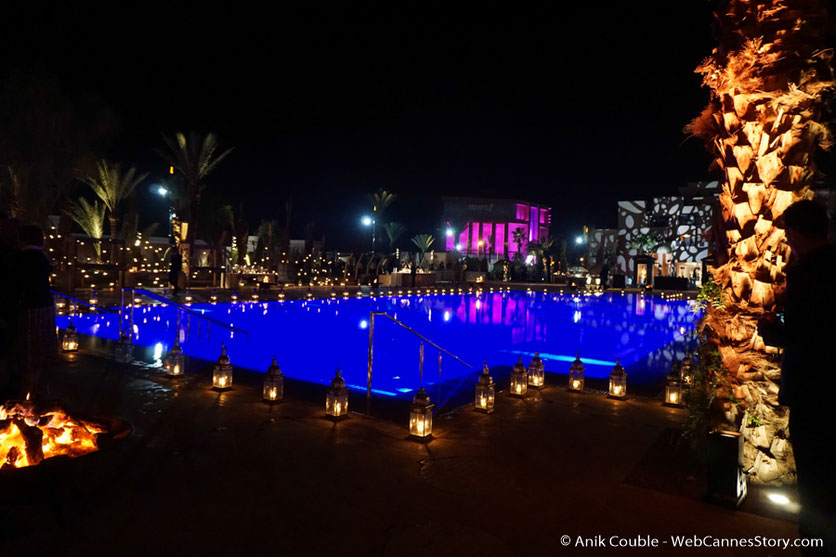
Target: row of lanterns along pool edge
<point>421,409</point>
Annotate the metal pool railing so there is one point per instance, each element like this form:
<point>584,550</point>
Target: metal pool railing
<point>441,350</point>
<point>201,331</point>
<point>77,302</point>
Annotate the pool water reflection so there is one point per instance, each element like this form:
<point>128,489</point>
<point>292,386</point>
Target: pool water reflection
<point>312,338</point>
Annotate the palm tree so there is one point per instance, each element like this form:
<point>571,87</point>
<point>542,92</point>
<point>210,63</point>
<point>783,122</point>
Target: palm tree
<point>769,80</point>
<point>519,239</point>
<point>90,217</point>
<point>423,242</point>
<point>112,186</point>
<point>194,158</point>
<point>381,200</point>
<point>393,230</point>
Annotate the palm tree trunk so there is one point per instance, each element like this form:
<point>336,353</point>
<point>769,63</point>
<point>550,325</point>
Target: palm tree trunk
<point>767,83</point>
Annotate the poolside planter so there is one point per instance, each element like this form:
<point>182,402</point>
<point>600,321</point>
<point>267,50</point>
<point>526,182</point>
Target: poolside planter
<point>673,389</point>
<point>576,375</point>
<point>485,392</point>
<point>618,381</point>
<point>724,467</point>
<point>222,374</point>
<point>273,383</point>
<point>336,401</point>
<point>124,351</point>
<point>175,361</point>
<point>421,416</point>
<point>519,380</point>
<point>536,372</point>
<point>69,339</point>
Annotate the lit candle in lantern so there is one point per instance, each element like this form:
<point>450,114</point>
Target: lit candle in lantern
<point>336,401</point>
<point>519,380</point>
<point>421,416</point>
<point>222,374</point>
<point>273,383</point>
<point>485,391</point>
<point>576,374</point>
<point>618,381</point>
<point>536,372</point>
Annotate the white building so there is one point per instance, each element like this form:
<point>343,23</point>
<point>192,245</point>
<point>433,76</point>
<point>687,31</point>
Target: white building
<point>673,231</point>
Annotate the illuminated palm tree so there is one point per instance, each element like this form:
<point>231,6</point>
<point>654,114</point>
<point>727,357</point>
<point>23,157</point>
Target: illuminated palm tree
<point>769,79</point>
<point>423,242</point>
<point>394,230</point>
<point>112,186</point>
<point>519,239</point>
<point>194,158</point>
<point>90,217</point>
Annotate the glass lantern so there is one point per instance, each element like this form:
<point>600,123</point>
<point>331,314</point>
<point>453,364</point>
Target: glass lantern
<point>234,296</point>
<point>673,389</point>
<point>536,372</point>
<point>421,416</point>
<point>94,298</point>
<point>175,361</point>
<point>255,294</point>
<point>336,401</point>
<point>686,370</point>
<point>214,297</point>
<point>124,351</point>
<point>618,381</point>
<point>281,294</point>
<point>485,392</point>
<point>188,299</point>
<point>222,375</point>
<point>519,380</point>
<point>69,339</point>
<point>273,383</point>
<point>576,375</point>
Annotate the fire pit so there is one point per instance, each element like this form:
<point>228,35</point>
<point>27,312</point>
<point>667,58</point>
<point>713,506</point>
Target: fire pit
<point>31,434</point>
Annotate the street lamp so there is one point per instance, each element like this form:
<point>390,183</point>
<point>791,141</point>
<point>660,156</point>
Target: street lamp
<point>164,192</point>
<point>579,240</point>
<point>370,221</point>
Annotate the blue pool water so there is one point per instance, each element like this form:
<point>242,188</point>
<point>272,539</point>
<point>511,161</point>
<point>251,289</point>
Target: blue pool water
<point>312,338</point>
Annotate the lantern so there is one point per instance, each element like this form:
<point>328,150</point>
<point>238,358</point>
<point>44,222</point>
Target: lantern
<point>336,401</point>
<point>536,372</point>
<point>485,392</point>
<point>137,299</point>
<point>69,339</point>
<point>124,352</point>
<point>686,371</point>
<point>175,362</point>
<point>618,381</point>
<point>333,292</point>
<point>214,297</point>
<point>234,296</point>
<point>309,294</point>
<point>94,298</point>
<point>519,380</point>
<point>576,375</point>
<point>222,375</point>
<point>273,383</point>
<point>281,294</point>
<point>255,294</point>
<point>188,299</point>
<point>673,389</point>
<point>421,416</point>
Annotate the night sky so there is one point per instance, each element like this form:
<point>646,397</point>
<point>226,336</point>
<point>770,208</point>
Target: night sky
<point>576,107</point>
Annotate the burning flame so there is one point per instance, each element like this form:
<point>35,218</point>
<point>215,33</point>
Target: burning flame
<point>27,437</point>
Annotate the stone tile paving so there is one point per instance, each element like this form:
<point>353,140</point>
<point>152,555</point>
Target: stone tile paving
<point>210,474</point>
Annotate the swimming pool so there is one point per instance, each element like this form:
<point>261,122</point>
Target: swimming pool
<point>311,338</point>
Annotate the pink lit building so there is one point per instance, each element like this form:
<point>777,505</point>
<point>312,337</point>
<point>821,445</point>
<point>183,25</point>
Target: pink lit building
<point>480,226</point>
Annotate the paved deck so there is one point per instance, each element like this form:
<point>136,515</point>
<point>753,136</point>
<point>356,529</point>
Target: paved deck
<point>210,474</point>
